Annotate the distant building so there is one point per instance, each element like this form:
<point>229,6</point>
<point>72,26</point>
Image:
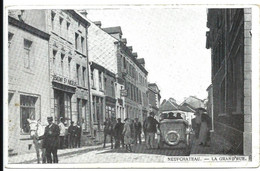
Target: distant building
<point>194,102</point>
<point>229,38</point>
<point>154,98</point>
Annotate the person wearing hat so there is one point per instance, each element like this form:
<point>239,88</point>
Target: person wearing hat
<point>119,137</point>
<point>51,141</point>
<point>150,128</point>
<point>204,134</point>
<point>127,132</point>
<point>137,131</point>
<point>71,135</point>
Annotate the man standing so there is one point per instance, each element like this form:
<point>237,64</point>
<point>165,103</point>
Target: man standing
<point>71,135</point>
<point>51,141</point>
<point>119,127</point>
<point>138,131</point>
<point>150,129</point>
<point>62,132</point>
<point>78,134</point>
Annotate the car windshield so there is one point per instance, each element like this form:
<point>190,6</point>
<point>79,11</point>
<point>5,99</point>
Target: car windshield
<point>170,115</point>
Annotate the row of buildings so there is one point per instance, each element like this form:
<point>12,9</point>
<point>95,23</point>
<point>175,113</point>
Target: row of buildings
<point>61,64</point>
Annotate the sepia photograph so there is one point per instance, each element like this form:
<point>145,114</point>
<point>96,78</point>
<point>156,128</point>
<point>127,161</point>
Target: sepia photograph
<point>151,86</point>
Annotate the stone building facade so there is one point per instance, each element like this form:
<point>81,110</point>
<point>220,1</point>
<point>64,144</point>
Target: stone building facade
<point>154,98</point>
<point>68,81</point>
<point>229,39</point>
<point>28,81</point>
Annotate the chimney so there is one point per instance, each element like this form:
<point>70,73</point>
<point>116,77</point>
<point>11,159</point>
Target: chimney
<point>135,54</point>
<point>124,41</point>
<point>97,23</point>
<point>83,12</point>
<point>130,48</point>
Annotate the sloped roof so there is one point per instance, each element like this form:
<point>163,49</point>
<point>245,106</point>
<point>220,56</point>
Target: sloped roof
<point>112,30</point>
<point>187,108</point>
<point>169,106</point>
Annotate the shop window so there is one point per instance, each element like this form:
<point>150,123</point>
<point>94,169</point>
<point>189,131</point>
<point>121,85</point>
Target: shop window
<point>27,111</point>
<point>27,50</point>
<point>10,37</point>
<point>67,106</point>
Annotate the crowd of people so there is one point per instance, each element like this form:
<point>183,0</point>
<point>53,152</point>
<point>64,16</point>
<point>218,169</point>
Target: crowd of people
<point>129,132</point>
<point>125,134</point>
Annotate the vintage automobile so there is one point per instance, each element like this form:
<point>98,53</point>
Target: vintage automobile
<point>174,130</point>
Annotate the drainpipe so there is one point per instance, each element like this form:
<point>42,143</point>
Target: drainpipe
<point>89,88</point>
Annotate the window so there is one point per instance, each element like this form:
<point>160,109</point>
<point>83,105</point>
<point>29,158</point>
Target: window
<point>78,68</point>
<point>27,49</point>
<point>100,80</point>
<point>68,31</point>
<point>92,78</point>
<point>10,37</point>
<point>113,88</point>
<point>52,20</point>
<point>76,40</point>
<point>67,105</point>
<point>61,21</point>
<point>82,44</point>
<point>62,63</point>
<point>83,76</point>
<point>69,65</point>
<point>27,111</point>
<point>84,115</point>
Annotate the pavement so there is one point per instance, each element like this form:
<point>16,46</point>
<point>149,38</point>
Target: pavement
<point>98,154</point>
<point>218,145</point>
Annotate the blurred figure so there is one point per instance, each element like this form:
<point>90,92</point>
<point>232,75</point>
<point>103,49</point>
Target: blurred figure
<point>137,131</point>
<point>150,127</point>
<point>127,132</point>
<point>204,134</point>
<point>71,134</point>
<point>78,135</point>
<point>62,133</point>
<point>51,140</point>
<point>119,137</point>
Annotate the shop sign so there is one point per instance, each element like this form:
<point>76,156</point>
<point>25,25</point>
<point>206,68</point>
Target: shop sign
<point>123,93</point>
<point>64,80</point>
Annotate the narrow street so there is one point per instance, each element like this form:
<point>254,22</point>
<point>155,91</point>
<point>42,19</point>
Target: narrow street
<point>139,154</point>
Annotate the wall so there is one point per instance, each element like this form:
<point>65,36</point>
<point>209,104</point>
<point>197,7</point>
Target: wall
<point>33,81</point>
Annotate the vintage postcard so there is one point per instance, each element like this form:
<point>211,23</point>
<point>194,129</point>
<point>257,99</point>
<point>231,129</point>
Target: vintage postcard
<point>131,86</point>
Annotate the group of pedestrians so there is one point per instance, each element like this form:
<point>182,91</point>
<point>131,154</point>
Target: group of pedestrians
<point>69,137</point>
<point>128,133</point>
<point>59,137</point>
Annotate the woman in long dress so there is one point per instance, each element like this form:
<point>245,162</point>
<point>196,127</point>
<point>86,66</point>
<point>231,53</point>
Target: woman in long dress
<point>204,130</point>
<point>127,135</point>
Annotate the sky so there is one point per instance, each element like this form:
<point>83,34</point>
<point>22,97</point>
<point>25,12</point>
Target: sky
<point>171,40</point>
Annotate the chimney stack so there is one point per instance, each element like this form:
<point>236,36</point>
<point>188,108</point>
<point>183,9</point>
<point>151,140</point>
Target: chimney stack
<point>130,48</point>
<point>135,54</point>
<point>97,23</point>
